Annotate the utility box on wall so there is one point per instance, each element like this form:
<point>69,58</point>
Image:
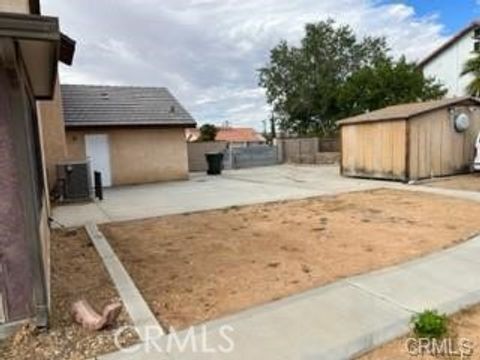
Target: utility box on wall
<point>411,141</point>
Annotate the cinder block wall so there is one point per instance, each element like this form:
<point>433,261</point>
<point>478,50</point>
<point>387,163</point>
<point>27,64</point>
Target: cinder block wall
<point>309,150</point>
<point>197,151</point>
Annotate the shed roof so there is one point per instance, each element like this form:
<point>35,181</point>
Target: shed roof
<point>473,25</point>
<point>87,105</point>
<point>406,111</point>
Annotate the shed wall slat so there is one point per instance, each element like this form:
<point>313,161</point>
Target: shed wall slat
<point>374,150</point>
<point>436,149</point>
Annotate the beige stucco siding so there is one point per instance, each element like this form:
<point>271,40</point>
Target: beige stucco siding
<point>53,134</point>
<point>138,155</point>
<point>15,6</point>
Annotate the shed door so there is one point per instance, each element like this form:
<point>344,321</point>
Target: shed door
<point>98,150</point>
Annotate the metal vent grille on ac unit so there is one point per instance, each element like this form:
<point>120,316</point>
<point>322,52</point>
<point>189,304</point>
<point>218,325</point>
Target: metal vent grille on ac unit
<point>74,180</point>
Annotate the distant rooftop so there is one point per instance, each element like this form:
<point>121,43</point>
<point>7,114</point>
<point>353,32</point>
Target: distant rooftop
<point>230,134</point>
<point>88,105</point>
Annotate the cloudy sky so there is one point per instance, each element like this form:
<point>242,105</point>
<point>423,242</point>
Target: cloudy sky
<point>207,51</point>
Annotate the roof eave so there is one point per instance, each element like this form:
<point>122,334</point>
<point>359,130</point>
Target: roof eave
<point>82,125</point>
<point>447,44</point>
<point>364,121</point>
<point>37,39</point>
<point>67,49</point>
<point>451,103</point>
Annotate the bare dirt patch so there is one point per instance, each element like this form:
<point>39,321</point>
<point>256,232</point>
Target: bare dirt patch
<point>199,266</point>
<point>470,182</point>
<point>463,325</point>
<point>77,272</point>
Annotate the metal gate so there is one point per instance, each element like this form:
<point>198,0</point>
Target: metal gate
<point>251,156</point>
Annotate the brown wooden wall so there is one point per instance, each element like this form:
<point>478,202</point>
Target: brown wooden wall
<point>436,149</point>
<point>374,150</point>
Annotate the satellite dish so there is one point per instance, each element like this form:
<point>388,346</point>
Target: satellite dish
<point>462,122</point>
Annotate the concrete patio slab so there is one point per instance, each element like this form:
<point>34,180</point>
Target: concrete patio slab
<point>202,192</point>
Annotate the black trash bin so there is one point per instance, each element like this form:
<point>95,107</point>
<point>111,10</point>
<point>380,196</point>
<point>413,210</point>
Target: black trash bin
<point>215,163</point>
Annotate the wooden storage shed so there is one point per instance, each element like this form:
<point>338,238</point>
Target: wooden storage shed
<point>411,141</point>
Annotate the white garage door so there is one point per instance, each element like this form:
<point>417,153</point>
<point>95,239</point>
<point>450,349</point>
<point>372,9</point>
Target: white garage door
<point>98,150</point>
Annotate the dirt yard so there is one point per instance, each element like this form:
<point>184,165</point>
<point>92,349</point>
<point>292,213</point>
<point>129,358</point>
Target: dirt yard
<point>470,182</point>
<point>77,272</point>
<point>464,325</point>
<point>199,266</point>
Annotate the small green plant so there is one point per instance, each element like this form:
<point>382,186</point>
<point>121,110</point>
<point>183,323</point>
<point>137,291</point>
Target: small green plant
<point>430,324</point>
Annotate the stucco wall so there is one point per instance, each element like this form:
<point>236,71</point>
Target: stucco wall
<point>18,6</point>
<point>138,155</point>
<point>44,232</point>
<point>53,134</point>
<point>448,65</point>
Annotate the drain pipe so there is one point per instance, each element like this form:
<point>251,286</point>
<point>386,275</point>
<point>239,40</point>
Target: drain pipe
<point>40,285</point>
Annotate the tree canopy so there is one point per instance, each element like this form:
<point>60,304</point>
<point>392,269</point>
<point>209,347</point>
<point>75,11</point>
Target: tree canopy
<point>332,74</point>
<point>472,66</point>
<point>208,132</point>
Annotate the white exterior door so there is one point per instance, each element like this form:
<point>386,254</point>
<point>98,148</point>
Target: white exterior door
<point>98,151</point>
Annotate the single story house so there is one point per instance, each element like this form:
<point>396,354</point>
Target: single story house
<point>411,141</point>
<point>232,136</point>
<point>132,135</point>
<point>30,47</point>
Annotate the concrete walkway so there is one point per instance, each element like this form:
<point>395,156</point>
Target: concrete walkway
<point>341,320</point>
<point>202,192</point>
<point>136,306</point>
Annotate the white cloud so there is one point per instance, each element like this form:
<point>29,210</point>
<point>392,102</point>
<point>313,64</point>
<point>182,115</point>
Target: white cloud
<point>207,51</point>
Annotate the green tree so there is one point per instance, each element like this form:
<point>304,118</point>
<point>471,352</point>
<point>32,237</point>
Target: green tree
<point>307,85</point>
<point>472,66</point>
<point>208,132</point>
<point>387,82</point>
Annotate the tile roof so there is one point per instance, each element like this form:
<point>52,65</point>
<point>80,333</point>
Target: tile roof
<point>230,134</point>
<point>405,111</point>
<point>87,105</point>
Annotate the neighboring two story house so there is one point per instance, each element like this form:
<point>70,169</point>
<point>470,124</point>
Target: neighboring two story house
<point>446,63</point>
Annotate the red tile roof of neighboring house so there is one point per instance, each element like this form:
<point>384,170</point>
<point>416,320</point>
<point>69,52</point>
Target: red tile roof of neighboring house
<point>230,134</point>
